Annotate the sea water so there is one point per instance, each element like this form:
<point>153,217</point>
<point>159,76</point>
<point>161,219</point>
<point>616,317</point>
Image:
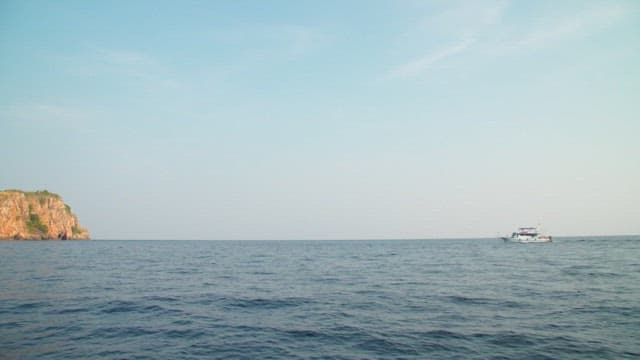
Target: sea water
<point>572,299</point>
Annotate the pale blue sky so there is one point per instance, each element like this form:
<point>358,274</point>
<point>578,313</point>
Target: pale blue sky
<point>325,119</point>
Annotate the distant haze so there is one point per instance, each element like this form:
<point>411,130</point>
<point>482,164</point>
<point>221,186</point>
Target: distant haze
<point>325,119</point>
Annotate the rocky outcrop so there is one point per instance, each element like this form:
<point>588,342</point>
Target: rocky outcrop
<point>38,215</point>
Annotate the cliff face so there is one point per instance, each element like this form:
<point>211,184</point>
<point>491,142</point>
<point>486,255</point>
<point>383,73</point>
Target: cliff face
<point>37,215</point>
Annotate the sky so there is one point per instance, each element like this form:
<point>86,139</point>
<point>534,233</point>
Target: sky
<point>325,119</point>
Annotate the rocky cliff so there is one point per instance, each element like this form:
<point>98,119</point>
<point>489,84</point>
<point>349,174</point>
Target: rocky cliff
<point>37,215</point>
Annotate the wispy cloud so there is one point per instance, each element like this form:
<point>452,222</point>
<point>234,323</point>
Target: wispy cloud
<point>569,27</point>
<point>127,66</point>
<point>422,64</point>
<point>483,29</point>
<point>466,18</point>
<point>124,58</point>
<point>36,115</point>
<point>275,39</point>
<point>301,39</point>
<point>461,23</point>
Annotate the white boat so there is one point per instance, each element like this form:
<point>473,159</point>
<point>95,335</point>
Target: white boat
<point>528,235</point>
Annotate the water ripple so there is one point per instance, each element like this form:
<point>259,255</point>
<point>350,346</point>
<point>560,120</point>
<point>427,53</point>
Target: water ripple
<point>320,300</point>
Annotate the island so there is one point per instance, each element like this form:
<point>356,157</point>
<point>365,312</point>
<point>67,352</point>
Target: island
<point>37,215</point>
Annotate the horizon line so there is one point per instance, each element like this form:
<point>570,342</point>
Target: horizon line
<point>371,239</point>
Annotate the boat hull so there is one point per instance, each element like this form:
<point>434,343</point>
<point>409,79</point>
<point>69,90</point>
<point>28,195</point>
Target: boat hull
<point>539,239</point>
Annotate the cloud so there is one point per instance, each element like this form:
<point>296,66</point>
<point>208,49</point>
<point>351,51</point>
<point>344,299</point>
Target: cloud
<point>126,66</point>
<point>422,64</point>
<point>124,58</point>
<point>458,20</point>
<point>301,39</point>
<point>492,14</point>
<point>483,29</point>
<point>569,27</point>
<point>463,19</point>
<point>462,23</point>
<point>35,115</point>
<point>275,40</point>
<point>134,65</point>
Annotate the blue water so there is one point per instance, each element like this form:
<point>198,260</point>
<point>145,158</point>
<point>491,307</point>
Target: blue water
<point>572,299</point>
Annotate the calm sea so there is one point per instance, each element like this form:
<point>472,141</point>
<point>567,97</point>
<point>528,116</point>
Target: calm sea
<point>572,299</point>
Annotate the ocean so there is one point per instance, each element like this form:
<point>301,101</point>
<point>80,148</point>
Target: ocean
<point>575,298</point>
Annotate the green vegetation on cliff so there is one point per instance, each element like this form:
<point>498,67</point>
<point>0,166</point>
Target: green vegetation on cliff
<point>34,225</point>
<point>41,195</point>
<point>38,193</point>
